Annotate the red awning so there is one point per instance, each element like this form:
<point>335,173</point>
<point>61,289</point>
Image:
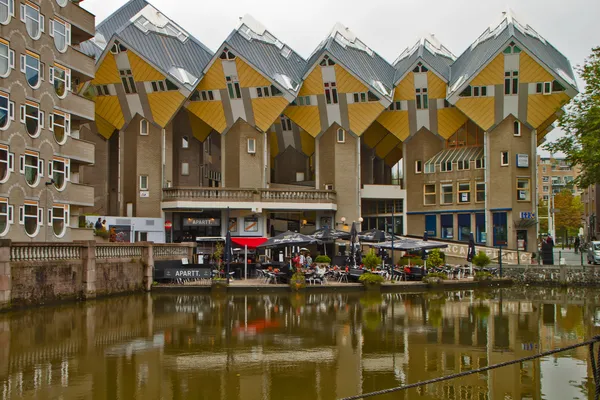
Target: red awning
<point>251,242</point>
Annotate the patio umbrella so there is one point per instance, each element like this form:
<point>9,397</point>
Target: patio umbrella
<point>327,234</point>
<point>289,238</point>
<point>424,251</point>
<point>353,241</point>
<point>374,236</point>
<point>471,251</point>
<point>407,244</point>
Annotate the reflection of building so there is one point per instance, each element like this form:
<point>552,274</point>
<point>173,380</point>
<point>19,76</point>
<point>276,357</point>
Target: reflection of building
<point>288,143</point>
<point>553,176</point>
<point>41,154</point>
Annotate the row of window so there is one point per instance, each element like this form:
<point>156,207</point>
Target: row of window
<point>447,193</point>
<point>474,91</point>
<point>34,22</point>
<point>364,97</point>
<point>31,166</point>
<point>448,166</point>
<point>31,217</point>
<point>548,87</point>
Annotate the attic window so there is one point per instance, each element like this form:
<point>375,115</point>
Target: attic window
<point>420,68</point>
<point>326,61</point>
<point>227,55</point>
<point>117,48</point>
<point>286,51</point>
<point>512,49</point>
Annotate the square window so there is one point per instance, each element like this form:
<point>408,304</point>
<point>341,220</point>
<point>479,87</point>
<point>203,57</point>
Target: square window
<point>523,189</point>
<point>429,194</point>
<point>447,194</point>
<point>464,192</point>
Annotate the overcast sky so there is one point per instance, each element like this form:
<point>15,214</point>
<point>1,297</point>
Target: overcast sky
<point>387,26</point>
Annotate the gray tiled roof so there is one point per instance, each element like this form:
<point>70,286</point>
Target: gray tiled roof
<point>439,61</point>
<point>117,20</point>
<point>268,59</point>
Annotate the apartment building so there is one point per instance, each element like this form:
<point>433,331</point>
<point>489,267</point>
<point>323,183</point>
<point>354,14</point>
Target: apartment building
<point>555,175</point>
<point>41,153</point>
<point>431,142</point>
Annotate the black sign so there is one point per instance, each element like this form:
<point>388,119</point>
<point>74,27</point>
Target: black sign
<point>201,222</point>
<point>187,273</point>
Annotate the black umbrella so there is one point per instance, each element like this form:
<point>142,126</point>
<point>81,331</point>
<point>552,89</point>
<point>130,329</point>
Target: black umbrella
<point>289,238</point>
<point>374,236</point>
<point>406,244</point>
<point>471,252</point>
<point>424,251</point>
<point>353,242</point>
<point>327,234</point>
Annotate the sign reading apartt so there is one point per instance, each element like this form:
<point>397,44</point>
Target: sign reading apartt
<point>181,273</point>
<point>508,256</point>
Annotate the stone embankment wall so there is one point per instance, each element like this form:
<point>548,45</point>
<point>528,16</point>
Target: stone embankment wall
<point>39,273</point>
<point>553,274</point>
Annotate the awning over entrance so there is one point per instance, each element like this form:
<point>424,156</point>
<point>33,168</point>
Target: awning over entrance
<point>251,242</point>
<point>456,155</point>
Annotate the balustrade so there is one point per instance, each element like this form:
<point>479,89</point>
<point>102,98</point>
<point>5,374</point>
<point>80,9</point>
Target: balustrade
<point>250,195</point>
<point>46,252</point>
<point>118,251</point>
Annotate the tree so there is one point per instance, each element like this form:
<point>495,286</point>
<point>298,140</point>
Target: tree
<point>436,258</point>
<point>542,215</point>
<point>581,122</point>
<point>569,218</point>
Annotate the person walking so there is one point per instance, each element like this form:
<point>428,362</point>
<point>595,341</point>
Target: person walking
<point>577,244</point>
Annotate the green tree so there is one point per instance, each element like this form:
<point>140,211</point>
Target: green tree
<point>542,214</point>
<point>569,218</point>
<point>371,261</point>
<point>435,258</point>
<point>581,123</point>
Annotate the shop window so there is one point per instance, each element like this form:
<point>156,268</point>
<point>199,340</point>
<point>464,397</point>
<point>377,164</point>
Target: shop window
<point>61,31</point>
<point>500,225</point>
<point>128,81</point>
<point>32,68</point>
<point>464,227</point>
<point>60,77</point>
<point>480,234</point>
<point>59,171</point>
<point>447,223</point>
<point>447,194</point>
<point>418,166</point>
<point>6,216</point>
<point>480,195</point>
<point>523,189</point>
<point>33,118</point>
<point>7,163</point>
<point>144,128</point>
<point>7,111</point>
<point>341,135</point>
<point>7,10</point>
<point>233,87</point>
<point>31,217</point>
<point>464,192</point>
<point>331,94</point>
<point>58,219</point>
<point>431,225</point>
<point>7,57</point>
<point>429,194</point>
<point>33,19</point>
<point>59,123</point>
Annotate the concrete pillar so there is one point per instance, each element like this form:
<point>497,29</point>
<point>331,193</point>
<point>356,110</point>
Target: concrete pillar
<point>5,274</point>
<point>148,264</point>
<point>88,260</point>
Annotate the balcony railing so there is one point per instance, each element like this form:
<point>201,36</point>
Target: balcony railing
<point>78,150</point>
<point>82,20</point>
<point>249,195</point>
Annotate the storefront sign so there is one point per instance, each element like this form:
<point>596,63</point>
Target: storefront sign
<point>201,222</point>
<point>196,273</point>
<point>508,256</point>
<point>522,160</point>
<point>527,215</point>
<point>251,224</point>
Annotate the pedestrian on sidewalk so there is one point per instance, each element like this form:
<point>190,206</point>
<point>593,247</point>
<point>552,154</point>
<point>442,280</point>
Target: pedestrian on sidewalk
<point>577,244</point>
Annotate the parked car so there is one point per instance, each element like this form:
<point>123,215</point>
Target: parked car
<point>593,253</point>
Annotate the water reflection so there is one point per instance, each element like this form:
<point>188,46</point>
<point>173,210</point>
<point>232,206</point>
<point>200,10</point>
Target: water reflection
<point>302,346</point>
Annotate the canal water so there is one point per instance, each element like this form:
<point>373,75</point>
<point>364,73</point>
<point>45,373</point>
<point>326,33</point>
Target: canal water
<point>305,346</point>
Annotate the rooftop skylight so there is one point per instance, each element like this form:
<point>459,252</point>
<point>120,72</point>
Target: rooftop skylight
<point>346,38</point>
<point>251,29</point>
<point>149,19</point>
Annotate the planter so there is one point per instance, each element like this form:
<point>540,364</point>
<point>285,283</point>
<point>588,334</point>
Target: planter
<point>322,264</point>
<point>372,287</point>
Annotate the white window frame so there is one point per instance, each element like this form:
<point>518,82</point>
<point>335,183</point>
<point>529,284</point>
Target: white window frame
<point>143,182</point>
<point>418,166</point>
<point>39,167</point>
<point>40,118</point>
<point>65,218</point>
<point>52,31</point>
<point>40,68</point>
<point>233,87</point>
<point>10,111</point>
<point>429,168</point>
<point>304,100</point>
<point>9,215</point>
<point>251,144</point>
<point>459,192</point>
<point>510,78</point>
<point>340,135</point>
<point>55,80</point>
<point>286,124</point>
<point>25,17</point>
<point>52,171</point>
<point>144,127</point>
<point>10,58</point>
<point>39,216</point>
<point>395,106</point>
<point>331,93</point>
<point>185,142</point>
<point>185,169</point>
<point>10,10</point>
<point>421,99</point>
<point>128,81</point>
<point>427,194</point>
<point>10,162</point>
<point>527,190</point>
<point>502,163</point>
<point>516,128</point>
<point>442,194</point>
<point>66,125</point>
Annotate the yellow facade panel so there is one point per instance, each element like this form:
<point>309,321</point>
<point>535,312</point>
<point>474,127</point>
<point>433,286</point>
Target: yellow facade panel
<point>313,84</point>
<point>164,105</point>
<point>210,112</point>
<point>107,72</point>
<point>214,78</point>
<point>531,71</point>
<point>267,110</point>
<point>109,108</point>
<point>104,127</point>
<point>406,88</point>
<point>492,74</point>
<point>308,143</point>
<point>248,76</point>
<point>361,115</point>
<point>142,71</point>
<point>396,122</point>
<point>449,121</point>
<point>541,107</point>
<point>374,134</point>
<point>200,129</point>
<point>307,117</point>
<point>386,145</point>
<point>394,156</point>
<point>346,83</point>
<point>436,88</point>
<point>479,110</point>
